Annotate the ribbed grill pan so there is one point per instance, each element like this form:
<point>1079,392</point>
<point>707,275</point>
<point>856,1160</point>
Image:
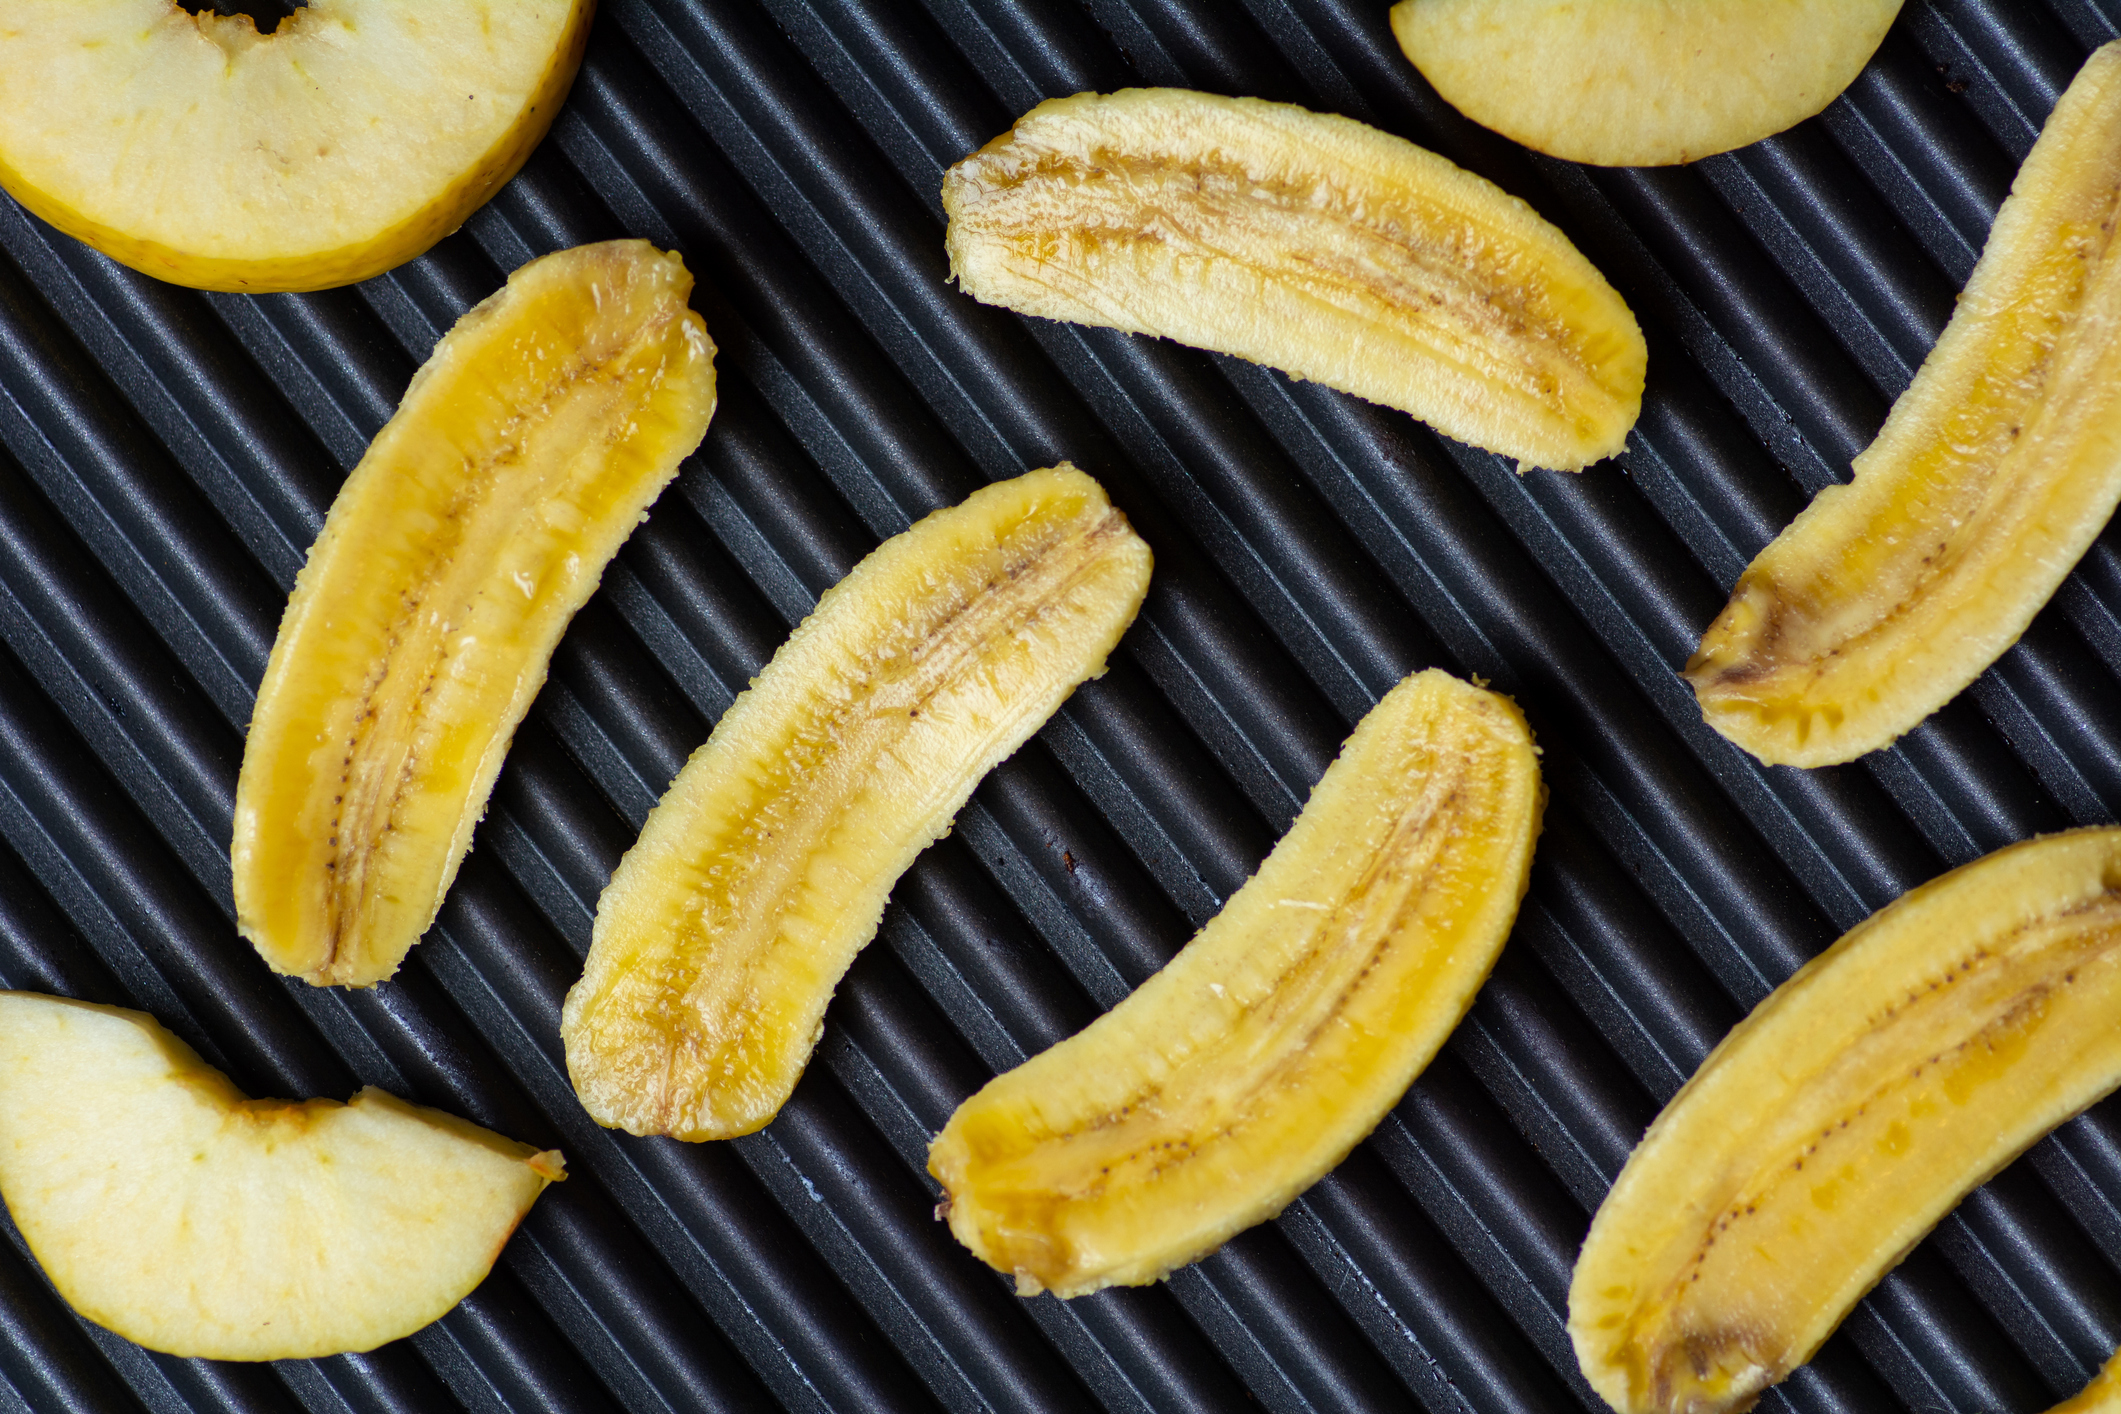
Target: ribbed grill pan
<point>166,457</point>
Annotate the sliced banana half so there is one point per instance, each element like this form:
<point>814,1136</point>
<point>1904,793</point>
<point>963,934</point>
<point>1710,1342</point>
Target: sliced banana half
<point>1234,1078</point>
<point>1835,1125</point>
<point>1992,476</point>
<point>1310,243</point>
<point>526,450</point>
<point>2101,1396</point>
<point>765,867</point>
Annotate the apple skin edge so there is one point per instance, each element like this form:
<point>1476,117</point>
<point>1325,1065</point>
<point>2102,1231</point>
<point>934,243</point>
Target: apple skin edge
<point>166,1206</point>
<point>344,265</point>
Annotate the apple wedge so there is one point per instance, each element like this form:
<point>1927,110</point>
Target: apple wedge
<point>353,137</point>
<point>170,1209</point>
<point>1640,84</point>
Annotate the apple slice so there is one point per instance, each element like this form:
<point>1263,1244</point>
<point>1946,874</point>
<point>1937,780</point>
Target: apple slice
<point>353,137</point>
<point>169,1208</point>
<point>1645,83</point>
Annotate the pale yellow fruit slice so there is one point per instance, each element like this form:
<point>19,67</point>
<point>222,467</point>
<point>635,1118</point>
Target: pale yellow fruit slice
<point>350,139</point>
<point>1234,1078</point>
<point>170,1209</point>
<point>1835,1125</point>
<point>526,450</point>
<point>766,865</point>
<point>1995,471</point>
<point>1640,83</point>
<point>1310,243</point>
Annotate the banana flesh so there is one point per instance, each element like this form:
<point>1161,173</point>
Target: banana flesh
<point>1276,1040</point>
<point>2101,1396</point>
<point>1991,477</point>
<point>524,453</point>
<point>1311,243</point>
<point>765,867</point>
<point>1835,1125</point>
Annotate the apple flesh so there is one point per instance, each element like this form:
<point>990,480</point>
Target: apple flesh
<point>353,137</point>
<point>170,1209</point>
<point>1640,83</point>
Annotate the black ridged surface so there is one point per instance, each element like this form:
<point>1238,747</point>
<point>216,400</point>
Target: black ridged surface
<point>166,457</point>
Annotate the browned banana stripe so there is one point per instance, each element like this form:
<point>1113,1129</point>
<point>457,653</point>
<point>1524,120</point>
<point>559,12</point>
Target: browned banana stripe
<point>1252,1063</point>
<point>766,866</point>
<point>525,451</point>
<point>1311,243</point>
<point>1840,1121</point>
